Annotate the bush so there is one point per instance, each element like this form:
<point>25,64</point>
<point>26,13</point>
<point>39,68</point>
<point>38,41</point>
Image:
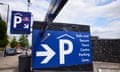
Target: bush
<point>1,49</point>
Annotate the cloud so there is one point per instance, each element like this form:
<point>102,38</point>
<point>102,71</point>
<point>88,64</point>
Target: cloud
<point>3,12</point>
<point>87,9</point>
<point>109,31</point>
<point>38,4</point>
<point>103,2</point>
<point>86,12</point>
<point>39,9</point>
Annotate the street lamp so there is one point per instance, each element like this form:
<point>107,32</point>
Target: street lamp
<point>7,19</point>
<point>7,11</point>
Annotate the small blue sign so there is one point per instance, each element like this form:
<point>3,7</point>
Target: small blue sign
<point>20,22</point>
<point>60,48</point>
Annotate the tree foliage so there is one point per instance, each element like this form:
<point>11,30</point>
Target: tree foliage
<point>3,33</point>
<point>23,41</point>
<point>13,43</point>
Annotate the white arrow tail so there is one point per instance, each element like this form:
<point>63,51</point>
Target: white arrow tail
<point>49,53</point>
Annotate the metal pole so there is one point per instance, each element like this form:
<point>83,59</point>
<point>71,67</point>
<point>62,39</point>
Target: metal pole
<point>7,21</point>
<point>28,5</point>
<point>8,14</point>
<point>25,60</point>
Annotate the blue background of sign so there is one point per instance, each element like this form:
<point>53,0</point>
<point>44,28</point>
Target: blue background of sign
<point>72,59</point>
<point>20,27</point>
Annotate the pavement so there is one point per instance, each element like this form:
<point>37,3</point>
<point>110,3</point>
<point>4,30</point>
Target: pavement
<point>106,67</point>
<point>1,54</point>
<point>9,64</point>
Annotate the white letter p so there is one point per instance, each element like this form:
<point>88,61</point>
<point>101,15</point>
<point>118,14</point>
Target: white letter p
<point>64,52</point>
<point>17,20</point>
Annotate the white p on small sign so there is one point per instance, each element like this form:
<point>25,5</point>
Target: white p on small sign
<point>17,20</point>
<point>20,22</point>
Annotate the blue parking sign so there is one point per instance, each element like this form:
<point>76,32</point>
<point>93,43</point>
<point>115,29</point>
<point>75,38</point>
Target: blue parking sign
<point>60,49</point>
<point>20,22</point>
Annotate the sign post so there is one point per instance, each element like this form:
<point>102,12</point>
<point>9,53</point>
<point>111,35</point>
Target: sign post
<point>20,22</point>
<point>64,47</point>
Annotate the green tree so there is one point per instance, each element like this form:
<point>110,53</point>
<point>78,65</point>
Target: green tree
<point>3,33</point>
<point>23,41</point>
<point>13,43</point>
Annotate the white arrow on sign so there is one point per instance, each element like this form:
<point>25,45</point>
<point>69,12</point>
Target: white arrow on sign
<point>49,53</point>
<point>26,25</point>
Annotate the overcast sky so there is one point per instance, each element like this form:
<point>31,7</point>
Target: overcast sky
<point>103,16</point>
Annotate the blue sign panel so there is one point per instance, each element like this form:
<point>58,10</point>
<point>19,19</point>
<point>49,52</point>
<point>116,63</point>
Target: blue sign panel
<point>60,48</point>
<point>20,22</point>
